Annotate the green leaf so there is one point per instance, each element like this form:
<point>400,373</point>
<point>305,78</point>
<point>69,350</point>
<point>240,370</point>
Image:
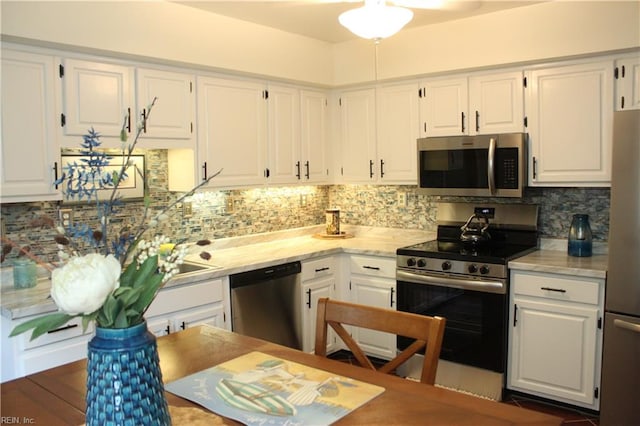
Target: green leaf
<point>149,293</point>
<point>129,296</point>
<point>108,312</point>
<point>126,278</point>
<point>86,319</point>
<point>121,320</point>
<point>42,325</point>
<point>123,135</point>
<point>147,269</point>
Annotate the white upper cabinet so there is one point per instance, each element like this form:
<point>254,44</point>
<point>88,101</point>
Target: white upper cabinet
<point>173,112</point>
<point>444,106</point>
<point>100,95</point>
<point>284,134</point>
<point>29,154</point>
<point>379,129</point>
<point>358,135</point>
<point>496,103</point>
<point>475,104</point>
<point>232,131</point>
<point>398,121</point>
<point>443,110</point>
<point>627,75</point>
<point>570,114</point>
<point>314,156</point>
<point>96,95</point>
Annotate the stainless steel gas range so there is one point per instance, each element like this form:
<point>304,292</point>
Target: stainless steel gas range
<point>463,276</point>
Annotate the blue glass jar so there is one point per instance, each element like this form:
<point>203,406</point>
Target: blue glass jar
<point>25,273</point>
<point>580,237</point>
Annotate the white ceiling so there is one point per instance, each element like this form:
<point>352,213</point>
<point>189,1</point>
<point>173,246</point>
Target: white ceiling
<point>319,18</point>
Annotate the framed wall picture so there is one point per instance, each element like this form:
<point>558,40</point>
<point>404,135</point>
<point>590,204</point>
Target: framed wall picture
<point>131,187</point>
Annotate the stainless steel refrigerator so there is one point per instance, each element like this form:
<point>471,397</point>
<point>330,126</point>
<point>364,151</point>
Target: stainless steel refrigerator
<point>620,403</point>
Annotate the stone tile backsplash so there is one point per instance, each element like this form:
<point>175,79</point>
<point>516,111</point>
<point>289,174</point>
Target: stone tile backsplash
<point>229,213</point>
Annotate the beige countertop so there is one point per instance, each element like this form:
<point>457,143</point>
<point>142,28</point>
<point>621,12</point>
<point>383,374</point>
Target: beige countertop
<point>556,261</point>
<point>239,254</point>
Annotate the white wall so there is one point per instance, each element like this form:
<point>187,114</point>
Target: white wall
<point>181,34</point>
<point>173,32</point>
<point>532,33</point>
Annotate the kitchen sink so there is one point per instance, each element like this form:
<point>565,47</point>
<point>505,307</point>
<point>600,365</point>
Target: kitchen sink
<point>188,267</point>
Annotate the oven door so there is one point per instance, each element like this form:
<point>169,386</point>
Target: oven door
<point>476,314</point>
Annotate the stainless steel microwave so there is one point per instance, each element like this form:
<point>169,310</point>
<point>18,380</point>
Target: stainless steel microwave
<point>483,165</point>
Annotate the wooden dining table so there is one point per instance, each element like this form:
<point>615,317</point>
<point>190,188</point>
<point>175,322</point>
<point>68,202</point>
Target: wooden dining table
<point>57,396</point>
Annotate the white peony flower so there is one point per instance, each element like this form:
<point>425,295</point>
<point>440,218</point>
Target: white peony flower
<point>82,285</point>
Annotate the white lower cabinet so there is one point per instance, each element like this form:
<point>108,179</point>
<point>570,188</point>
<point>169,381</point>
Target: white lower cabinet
<point>178,308</point>
<point>21,356</point>
<point>174,309</point>
<point>555,337</point>
<point>373,283</point>
<point>318,280</point>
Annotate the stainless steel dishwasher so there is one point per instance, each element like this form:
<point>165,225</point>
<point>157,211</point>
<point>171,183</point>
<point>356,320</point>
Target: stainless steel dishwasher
<point>265,303</point>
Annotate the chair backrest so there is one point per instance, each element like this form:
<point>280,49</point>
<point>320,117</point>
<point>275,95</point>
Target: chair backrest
<point>428,331</point>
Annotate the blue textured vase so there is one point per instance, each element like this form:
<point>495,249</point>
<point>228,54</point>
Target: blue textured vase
<point>124,381</point>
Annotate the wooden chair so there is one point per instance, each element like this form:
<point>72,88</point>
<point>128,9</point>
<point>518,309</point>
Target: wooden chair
<point>428,331</point>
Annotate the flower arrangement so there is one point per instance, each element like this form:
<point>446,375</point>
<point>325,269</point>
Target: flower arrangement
<point>117,280</point>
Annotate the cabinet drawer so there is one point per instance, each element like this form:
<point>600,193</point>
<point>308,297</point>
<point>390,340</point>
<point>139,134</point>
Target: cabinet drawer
<point>185,297</point>
<point>557,287</point>
<point>318,268</point>
<point>374,266</point>
<point>72,329</point>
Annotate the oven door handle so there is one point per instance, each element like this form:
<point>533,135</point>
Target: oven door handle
<point>487,286</point>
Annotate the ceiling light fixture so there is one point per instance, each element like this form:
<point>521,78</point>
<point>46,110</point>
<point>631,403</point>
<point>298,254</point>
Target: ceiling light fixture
<point>375,20</point>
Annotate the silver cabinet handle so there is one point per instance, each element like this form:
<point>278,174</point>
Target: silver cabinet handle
<point>627,325</point>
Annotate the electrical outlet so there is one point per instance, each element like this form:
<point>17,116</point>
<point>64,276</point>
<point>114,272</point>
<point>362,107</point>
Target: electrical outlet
<point>228,205</point>
<point>402,199</point>
<point>66,217</point>
<point>303,200</point>
<point>187,209</point>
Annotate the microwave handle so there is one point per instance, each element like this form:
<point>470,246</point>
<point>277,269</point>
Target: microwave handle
<point>491,166</point>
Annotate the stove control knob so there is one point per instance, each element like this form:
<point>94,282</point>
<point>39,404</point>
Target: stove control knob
<point>422,263</point>
<point>411,261</point>
<point>446,265</point>
<point>473,269</point>
<point>484,269</point>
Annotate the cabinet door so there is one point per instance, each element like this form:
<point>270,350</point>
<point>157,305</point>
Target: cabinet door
<point>627,75</point>
<point>232,131</point>
<point>313,112</point>
<point>358,135</point>
<point>29,154</point>
<point>570,119</point>
<point>496,103</point>
<point>553,350</point>
<point>398,121</point>
<point>97,95</point>
<point>160,326</point>
<point>374,292</point>
<point>172,114</point>
<point>443,109</point>
<point>211,314</point>
<point>284,134</point>
<point>311,292</point>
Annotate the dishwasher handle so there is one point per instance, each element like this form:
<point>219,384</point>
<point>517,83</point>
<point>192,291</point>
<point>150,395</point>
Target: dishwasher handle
<point>264,274</point>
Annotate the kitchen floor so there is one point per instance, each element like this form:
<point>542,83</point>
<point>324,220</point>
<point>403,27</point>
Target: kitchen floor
<point>572,417</point>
